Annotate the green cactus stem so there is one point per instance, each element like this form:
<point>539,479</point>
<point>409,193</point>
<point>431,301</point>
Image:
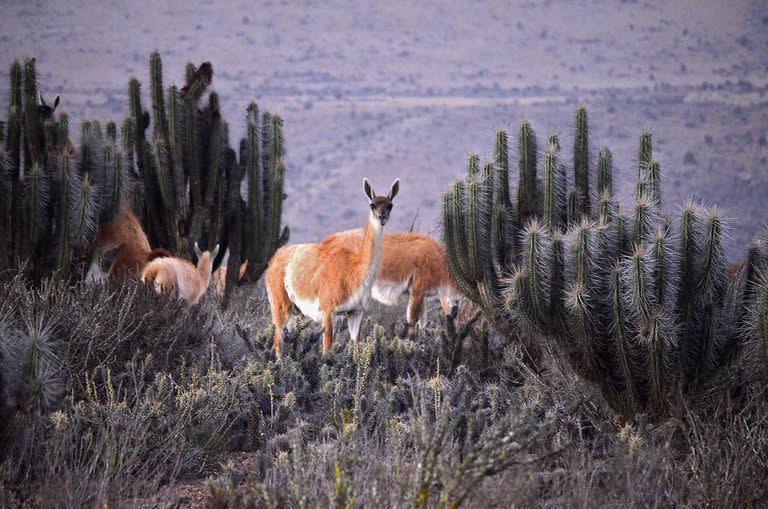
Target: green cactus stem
<point>527,185</point>
<point>581,159</point>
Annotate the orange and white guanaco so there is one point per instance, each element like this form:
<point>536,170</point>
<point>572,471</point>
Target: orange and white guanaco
<point>328,278</point>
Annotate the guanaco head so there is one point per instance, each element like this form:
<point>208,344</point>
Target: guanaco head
<point>381,206</point>
<point>205,259</point>
<point>44,111</point>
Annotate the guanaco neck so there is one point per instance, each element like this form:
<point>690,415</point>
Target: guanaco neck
<point>204,267</point>
<point>369,254</point>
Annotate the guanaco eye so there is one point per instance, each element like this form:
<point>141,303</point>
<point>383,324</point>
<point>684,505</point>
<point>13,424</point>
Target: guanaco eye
<point>373,206</point>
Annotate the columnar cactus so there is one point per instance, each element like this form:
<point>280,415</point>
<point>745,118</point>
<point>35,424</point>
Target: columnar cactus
<point>527,192</point>
<point>644,310</point>
<point>554,193</point>
<point>605,171</point>
<point>645,154</point>
<point>52,204</point>
<point>184,191</point>
<point>581,160</point>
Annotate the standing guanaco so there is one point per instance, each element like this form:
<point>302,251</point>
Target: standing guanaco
<point>328,278</point>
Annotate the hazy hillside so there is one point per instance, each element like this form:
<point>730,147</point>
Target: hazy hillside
<point>407,91</point>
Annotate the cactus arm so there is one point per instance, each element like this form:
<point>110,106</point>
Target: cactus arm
<point>33,150</point>
<point>527,185</point>
<point>581,160</point>
<point>605,171</point>
<point>158,100</point>
<point>250,155</point>
<point>645,154</point>
<point>214,150</point>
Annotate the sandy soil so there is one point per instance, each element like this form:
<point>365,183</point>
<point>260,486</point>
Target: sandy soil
<point>408,91</point>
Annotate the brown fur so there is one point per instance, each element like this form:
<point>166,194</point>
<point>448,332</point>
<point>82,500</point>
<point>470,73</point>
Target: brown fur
<point>328,277</point>
<point>126,235</point>
<point>415,261</point>
<point>179,277</point>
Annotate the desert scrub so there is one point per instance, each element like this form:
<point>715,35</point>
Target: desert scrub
<point>115,389</point>
<point>387,422</point>
<point>107,393</point>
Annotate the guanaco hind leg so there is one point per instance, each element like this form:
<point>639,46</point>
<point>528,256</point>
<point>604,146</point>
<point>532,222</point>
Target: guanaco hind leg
<point>328,332</point>
<point>415,305</point>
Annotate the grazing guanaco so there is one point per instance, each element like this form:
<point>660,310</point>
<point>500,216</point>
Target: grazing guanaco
<point>413,266</point>
<point>126,236</point>
<point>329,278</point>
<point>179,277</point>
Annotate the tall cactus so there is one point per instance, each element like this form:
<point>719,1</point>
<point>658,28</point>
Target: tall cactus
<point>527,192</point>
<point>644,312</point>
<point>605,171</point>
<point>645,154</point>
<point>581,160</point>
<point>185,175</point>
<point>503,220</point>
<point>554,198</point>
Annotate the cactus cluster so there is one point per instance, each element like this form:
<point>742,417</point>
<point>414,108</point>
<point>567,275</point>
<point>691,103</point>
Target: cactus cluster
<point>183,179</point>
<point>51,203</point>
<point>644,309</point>
<point>189,182</point>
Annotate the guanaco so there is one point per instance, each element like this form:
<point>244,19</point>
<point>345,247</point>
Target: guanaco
<point>179,277</point>
<point>413,266</point>
<point>46,112</point>
<point>126,236</point>
<point>219,278</point>
<point>329,278</point>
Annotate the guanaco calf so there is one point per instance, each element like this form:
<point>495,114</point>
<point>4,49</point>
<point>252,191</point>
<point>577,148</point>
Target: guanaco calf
<point>328,278</point>
<point>179,277</point>
<point>413,266</point>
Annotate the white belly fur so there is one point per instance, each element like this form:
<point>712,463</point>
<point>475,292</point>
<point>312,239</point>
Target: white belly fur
<point>390,292</point>
<point>308,307</point>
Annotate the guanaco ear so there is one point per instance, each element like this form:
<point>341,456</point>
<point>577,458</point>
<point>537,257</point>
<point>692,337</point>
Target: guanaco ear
<point>40,99</point>
<point>368,190</point>
<point>56,101</point>
<point>215,251</point>
<point>394,189</point>
<point>198,253</point>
